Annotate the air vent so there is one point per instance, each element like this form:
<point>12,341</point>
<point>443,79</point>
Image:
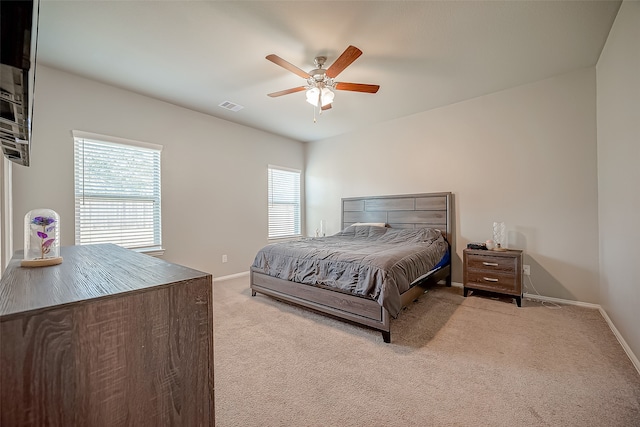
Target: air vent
<point>230,106</point>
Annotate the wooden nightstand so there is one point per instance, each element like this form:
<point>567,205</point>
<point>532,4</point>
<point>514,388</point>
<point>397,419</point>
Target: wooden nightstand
<point>493,271</point>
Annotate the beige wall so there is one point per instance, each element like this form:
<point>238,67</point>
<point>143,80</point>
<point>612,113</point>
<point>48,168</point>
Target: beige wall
<point>214,172</point>
<point>618,87</point>
<point>5,210</point>
<point>525,156</point>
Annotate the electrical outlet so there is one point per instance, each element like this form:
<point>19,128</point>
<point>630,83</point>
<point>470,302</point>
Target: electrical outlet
<point>224,258</point>
<point>526,269</point>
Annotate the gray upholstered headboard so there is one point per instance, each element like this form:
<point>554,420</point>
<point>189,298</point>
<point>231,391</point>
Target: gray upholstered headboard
<point>433,210</point>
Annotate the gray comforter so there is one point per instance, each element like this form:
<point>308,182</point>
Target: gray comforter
<point>376,262</point>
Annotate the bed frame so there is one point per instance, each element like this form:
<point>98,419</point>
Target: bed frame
<point>400,211</point>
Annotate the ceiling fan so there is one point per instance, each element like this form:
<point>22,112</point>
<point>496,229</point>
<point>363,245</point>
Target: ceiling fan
<point>320,81</point>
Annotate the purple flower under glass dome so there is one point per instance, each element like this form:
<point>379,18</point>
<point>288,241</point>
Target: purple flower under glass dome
<point>41,236</point>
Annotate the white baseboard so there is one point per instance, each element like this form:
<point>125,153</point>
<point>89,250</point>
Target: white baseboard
<point>621,340</point>
<point>230,276</point>
<point>560,301</point>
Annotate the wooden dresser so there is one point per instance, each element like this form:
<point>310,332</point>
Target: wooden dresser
<point>493,271</point>
<point>110,337</point>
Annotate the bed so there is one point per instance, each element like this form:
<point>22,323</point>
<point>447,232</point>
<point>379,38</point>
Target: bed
<point>367,272</point>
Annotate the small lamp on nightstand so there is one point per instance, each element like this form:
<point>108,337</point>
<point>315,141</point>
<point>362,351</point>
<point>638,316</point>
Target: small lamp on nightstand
<point>499,236</point>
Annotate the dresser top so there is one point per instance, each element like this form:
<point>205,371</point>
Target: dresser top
<point>87,272</point>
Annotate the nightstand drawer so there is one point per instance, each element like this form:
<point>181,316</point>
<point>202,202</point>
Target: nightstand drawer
<point>491,263</point>
<point>491,280</point>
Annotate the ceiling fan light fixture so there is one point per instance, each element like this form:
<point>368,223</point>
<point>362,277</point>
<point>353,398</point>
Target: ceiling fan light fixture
<point>312,96</point>
<point>320,97</point>
<point>327,96</point>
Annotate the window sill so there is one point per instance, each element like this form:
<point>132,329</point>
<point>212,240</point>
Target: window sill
<point>284,239</point>
<point>154,252</point>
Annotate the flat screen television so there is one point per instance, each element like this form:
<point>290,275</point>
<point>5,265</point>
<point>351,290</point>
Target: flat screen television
<point>19,28</point>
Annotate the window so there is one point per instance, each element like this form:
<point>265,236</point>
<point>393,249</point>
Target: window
<point>284,202</point>
<point>117,192</point>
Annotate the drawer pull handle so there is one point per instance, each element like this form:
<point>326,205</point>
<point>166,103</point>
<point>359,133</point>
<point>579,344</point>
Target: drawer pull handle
<point>491,264</point>
<point>489,279</point>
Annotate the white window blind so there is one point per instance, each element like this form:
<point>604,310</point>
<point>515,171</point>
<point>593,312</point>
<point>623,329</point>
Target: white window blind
<point>117,192</point>
<point>284,202</point>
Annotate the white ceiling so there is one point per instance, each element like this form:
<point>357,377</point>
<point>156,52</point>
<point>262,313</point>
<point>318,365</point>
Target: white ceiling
<point>423,54</point>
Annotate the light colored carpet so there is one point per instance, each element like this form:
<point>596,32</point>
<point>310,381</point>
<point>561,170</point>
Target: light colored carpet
<point>453,361</point>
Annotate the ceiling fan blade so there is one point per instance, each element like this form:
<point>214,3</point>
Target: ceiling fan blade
<point>348,56</point>
<point>288,66</point>
<point>287,91</point>
<point>357,87</point>
<point>326,107</point>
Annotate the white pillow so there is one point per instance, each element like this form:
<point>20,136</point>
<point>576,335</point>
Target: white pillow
<point>373,224</point>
